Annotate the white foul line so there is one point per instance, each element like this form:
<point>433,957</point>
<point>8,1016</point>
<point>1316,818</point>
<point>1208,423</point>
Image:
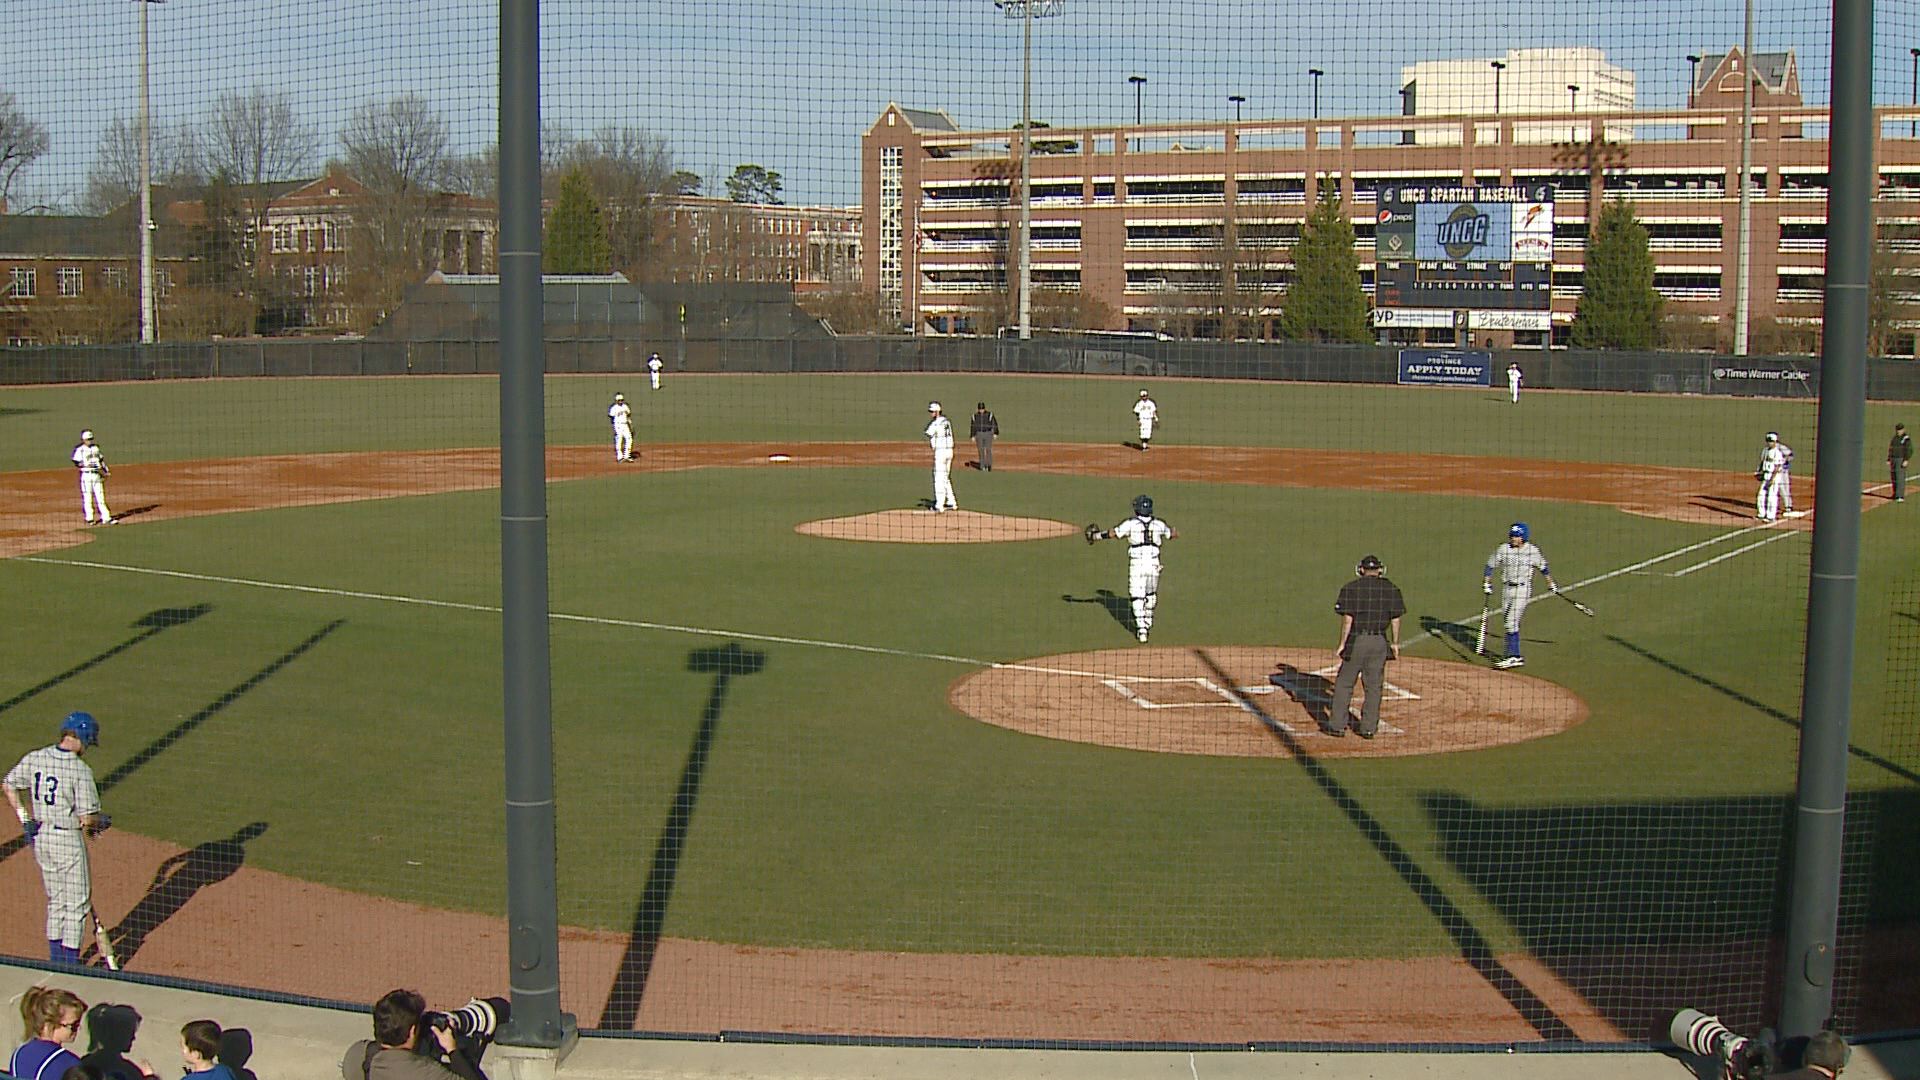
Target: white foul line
<point>1731,554</point>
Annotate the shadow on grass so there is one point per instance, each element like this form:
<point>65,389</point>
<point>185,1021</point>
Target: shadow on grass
<point>176,881</point>
<point>643,941</point>
<point>1459,638</point>
<point>1118,607</point>
<point>153,622</point>
<point>1472,946</point>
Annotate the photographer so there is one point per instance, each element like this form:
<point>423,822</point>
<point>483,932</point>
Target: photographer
<point>1825,1056</point>
<point>412,1043</point>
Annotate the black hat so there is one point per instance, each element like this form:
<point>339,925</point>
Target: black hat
<point>1371,562</point>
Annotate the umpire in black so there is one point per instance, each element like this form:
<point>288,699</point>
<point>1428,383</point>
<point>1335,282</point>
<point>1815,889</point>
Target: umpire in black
<point>1370,607</point>
<point>984,430</point>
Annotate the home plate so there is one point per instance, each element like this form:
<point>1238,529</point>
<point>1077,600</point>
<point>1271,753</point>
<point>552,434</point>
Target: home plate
<point>779,457</point>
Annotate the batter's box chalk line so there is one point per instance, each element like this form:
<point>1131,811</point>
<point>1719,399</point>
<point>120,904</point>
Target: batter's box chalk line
<point>1235,698</point>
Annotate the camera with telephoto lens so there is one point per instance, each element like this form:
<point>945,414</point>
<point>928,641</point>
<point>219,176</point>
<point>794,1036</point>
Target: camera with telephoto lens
<point>472,1026</point>
<point>1743,1058</point>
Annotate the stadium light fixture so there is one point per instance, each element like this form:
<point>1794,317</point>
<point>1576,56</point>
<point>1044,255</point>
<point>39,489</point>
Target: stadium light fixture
<point>1498,67</point>
<point>1915,99</point>
<point>1238,100</point>
<point>1573,106</point>
<point>1026,11</point>
<point>1138,81</point>
<point>1693,77</point>
<point>1316,73</point>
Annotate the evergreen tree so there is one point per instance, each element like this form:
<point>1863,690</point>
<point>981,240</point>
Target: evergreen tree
<point>1325,303</point>
<point>1618,307</point>
<point>576,241</point>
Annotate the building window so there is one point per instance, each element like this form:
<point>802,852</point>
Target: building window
<point>114,278</point>
<point>23,281</point>
<point>311,285</point>
<point>70,279</point>
<point>163,282</point>
<point>330,236</point>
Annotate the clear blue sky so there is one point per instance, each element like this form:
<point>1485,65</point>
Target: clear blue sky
<point>791,84</point>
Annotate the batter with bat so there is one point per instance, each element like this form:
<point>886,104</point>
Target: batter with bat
<point>1515,561</point>
<point>53,794</point>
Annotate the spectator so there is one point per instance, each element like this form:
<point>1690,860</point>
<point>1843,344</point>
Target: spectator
<point>110,1034</point>
<point>200,1049</point>
<point>406,1046</point>
<point>51,1017</point>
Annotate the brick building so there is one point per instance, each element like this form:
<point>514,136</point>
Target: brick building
<point>715,240</point>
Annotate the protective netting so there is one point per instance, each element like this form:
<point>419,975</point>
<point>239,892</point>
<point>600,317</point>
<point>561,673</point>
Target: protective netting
<point>847,749</point>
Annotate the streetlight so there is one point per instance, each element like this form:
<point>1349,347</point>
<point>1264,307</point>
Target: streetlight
<point>1316,73</point>
<point>1573,106</point>
<point>1026,11</point>
<point>1915,100</point>
<point>1238,100</point>
<point>145,225</point>
<point>1138,81</point>
<point>1406,109</point>
<point>1498,67</point>
<point>1693,75</point>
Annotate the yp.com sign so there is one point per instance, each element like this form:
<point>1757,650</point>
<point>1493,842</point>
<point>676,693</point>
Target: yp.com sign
<point>1445,367</point>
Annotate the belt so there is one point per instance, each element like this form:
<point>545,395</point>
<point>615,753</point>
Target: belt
<point>1371,633</point>
<point>1517,584</point>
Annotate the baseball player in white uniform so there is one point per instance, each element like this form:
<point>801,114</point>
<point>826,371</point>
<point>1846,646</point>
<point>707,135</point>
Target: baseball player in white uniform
<point>93,479</point>
<point>1513,382</point>
<point>1144,535</point>
<point>1786,473</point>
<point>653,370</point>
<point>622,416</point>
<point>940,436</point>
<point>1515,561</point>
<point>1772,475</point>
<point>54,796</point>
<point>1149,415</point>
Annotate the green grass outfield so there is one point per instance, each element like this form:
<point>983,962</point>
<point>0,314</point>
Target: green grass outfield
<point>840,801</point>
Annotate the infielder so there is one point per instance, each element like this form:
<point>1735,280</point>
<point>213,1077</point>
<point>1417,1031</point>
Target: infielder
<point>93,479</point>
<point>1772,475</point>
<point>1144,535</point>
<point>54,796</point>
<point>653,370</point>
<point>622,416</point>
<point>1786,474</point>
<point>940,436</point>
<point>1513,382</point>
<point>1515,561</point>
<point>1149,415</point>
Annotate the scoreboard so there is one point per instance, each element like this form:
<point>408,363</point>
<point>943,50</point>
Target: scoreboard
<point>1453,248</point>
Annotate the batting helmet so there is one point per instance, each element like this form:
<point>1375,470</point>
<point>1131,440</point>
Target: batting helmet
<point>1371,562</point>
<point>83,726</point>
<point>1520,530</point>
<point>1142,506</point>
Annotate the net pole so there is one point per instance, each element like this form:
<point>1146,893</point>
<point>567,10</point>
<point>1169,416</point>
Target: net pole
<point>1813,902</point>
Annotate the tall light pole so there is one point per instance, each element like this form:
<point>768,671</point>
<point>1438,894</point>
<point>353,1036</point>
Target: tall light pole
<point>1573,107</point>
<point>1498,67</point>
<point>145,225</point>
<point>1915,99</point>
<point>1138,81</point>
<point>1238,100</point>
<point>1743,283</point>
<point>1026,11</point>
<point>1316,73</point>
<point>1693,77</point>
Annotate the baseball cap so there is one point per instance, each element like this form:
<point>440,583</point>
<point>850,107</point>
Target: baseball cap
<point>933,406</point>
<point>619,397</point>
<point>1773,436</point>
<point>1371,562</point>
<point>87,434</point>
<point>1143,393</point>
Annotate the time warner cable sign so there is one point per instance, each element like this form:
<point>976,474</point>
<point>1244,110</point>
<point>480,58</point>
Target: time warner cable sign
<point>1452,248</point>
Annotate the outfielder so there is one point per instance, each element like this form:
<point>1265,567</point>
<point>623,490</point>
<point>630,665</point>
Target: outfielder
<point>1513,382</point>
<point>940,436</point>
<point>622,416</point>
<point>93,479</point>
<point>1149,416</point>
<point>1144,534</point>
<point>54,796</point>
<point>1772,475</point>
<point>1515,561</point>
<point>653,370</point>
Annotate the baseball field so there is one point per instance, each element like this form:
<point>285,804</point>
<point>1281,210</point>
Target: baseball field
<point>924,783</point>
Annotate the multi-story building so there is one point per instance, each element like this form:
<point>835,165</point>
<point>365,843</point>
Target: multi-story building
<point>67,279</point>
<point>1173,226</point>
<point>715,240</point>
<point>1524,81</point>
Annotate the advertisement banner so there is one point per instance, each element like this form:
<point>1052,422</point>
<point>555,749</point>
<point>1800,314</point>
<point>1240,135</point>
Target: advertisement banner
<point>1510,320</point>
<point>1446,367</point>
<point>1750,375</point>
<point>1416,318</point>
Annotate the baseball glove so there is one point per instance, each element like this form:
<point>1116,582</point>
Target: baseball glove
<point>1093,534</point>
<point>1759,474</point>
<point>100,825</point>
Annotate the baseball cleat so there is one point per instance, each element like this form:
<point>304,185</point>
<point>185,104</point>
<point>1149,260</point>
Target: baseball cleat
<point>1510,662</point>
<point>1143,637</point>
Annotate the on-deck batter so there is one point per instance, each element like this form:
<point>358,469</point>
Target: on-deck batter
<point>940,436</point>
<point>1515,561</point>
<point>1144,535</point>
<point>53,794</point>
<point>1148,414</point>
<point>622,416</point>
<point>93,479</point>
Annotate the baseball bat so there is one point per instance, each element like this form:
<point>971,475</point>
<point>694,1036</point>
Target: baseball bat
<point>1480,643</point>
<point>1584,609</point>
<point>106,945</point>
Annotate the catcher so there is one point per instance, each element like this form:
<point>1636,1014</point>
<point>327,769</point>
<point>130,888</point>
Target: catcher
<point>1144,534</point>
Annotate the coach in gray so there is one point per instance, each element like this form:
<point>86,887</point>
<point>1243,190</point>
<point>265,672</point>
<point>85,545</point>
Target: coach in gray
<point>1370,607</point>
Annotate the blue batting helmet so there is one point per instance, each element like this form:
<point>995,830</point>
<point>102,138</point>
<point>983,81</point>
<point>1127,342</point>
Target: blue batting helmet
<point>83,727</point>
<point>1142,506</point>
<point>1520,530</point>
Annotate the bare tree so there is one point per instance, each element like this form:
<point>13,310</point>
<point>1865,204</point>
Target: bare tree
<point>22,139</point>
<point>397,146</point>
<point>254,136</point>
<point>114,178</point>
<point>628,170</point>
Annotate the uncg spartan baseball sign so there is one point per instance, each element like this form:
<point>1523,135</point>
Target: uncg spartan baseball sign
<point>1459,248</point>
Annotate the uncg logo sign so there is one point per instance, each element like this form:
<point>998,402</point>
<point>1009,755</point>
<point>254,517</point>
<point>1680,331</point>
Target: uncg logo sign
<point>1465,229</point>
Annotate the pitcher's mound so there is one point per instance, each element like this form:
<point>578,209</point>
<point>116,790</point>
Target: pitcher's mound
<point>1241,701</point>
<point>927,527</point>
